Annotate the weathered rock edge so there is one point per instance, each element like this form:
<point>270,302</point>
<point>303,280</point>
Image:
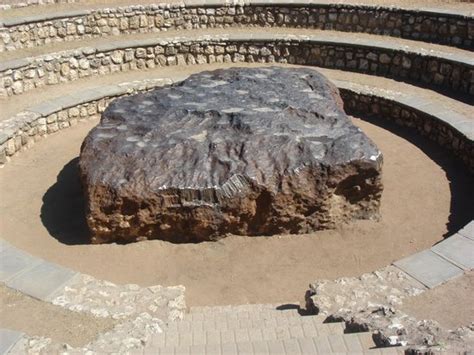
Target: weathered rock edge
<point>243,151</point>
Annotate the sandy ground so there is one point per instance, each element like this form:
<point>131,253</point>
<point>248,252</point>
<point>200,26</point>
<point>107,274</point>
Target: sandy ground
<point>425,197</point>
<point>33,317</point>
<point>450,304</point>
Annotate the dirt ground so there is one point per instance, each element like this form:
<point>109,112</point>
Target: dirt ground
<point>450,304</point>
<point>33,317</point>
<point>426,196</point>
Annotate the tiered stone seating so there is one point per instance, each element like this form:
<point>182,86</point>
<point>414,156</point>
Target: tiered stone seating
<point>60,67</point>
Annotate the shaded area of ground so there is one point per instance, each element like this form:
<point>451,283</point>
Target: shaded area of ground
<point>37,318</point>
<point>62,211</point>
<point>450,304</point>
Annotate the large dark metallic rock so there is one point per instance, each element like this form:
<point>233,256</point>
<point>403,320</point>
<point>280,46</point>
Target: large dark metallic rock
<point>243,151</point>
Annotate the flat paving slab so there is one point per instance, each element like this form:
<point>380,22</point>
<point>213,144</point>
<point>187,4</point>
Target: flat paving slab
<point>8,338</point>
<point>468,230</point>
<point>457,249</point>
<point>42,280</point>
<point>13,262</point>
<point>429,268</point>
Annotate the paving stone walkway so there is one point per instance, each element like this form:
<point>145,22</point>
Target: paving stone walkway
<point>258,329</point>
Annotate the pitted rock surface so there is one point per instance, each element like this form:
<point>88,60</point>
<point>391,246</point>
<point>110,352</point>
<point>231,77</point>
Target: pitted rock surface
<point>243,151</point>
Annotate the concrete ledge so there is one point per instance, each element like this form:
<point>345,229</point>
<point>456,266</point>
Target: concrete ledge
<point>42,280</point>
<point>14,64</point>
<point>17,21</point>
<point>28,3</point>
<point>468,231</point>
<point>428,268</point>
<point>427,24</point>
<point>8,339</point>
<point>32,276</point>
<point>449,72</point>
<point>458,250</point>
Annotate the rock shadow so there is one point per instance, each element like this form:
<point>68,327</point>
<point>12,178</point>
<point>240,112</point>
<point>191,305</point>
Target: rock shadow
<point>461,182</point>
<point>62,212</point>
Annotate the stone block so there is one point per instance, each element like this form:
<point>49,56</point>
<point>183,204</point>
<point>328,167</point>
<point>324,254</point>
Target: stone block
<point>457,249</point>
<point>8,339</point>
<point>468,230</point>
<point>429,268</point>
<point>13,262</point>
<point>42,280</point>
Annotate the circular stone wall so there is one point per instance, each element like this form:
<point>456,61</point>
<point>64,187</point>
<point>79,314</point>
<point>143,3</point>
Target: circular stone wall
<point>43,205</point>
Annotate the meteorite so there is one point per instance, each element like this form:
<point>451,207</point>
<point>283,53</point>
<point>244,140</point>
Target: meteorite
<point>255,151</point>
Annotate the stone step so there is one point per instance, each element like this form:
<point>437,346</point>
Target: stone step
<point>198,333</point>
<point>246,316</point>
<point>239,320</point>
<point>359,343</point>
<point>290,306</point>
<point>218,321</point>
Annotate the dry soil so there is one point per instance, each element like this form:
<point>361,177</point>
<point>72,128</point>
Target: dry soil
<point>450,304</point>
<point>22,313</point>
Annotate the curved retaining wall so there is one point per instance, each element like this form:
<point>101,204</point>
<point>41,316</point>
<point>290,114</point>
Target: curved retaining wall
<point>448,130</point>
<point>453,73</point>
<point>431,25</point>
<point>445,127</point>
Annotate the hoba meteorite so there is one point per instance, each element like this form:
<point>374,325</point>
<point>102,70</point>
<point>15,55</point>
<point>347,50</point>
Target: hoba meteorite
<point>256,151</point>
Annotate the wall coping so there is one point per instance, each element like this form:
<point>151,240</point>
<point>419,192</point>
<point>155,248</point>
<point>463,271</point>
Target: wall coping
<point>6,21</point>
